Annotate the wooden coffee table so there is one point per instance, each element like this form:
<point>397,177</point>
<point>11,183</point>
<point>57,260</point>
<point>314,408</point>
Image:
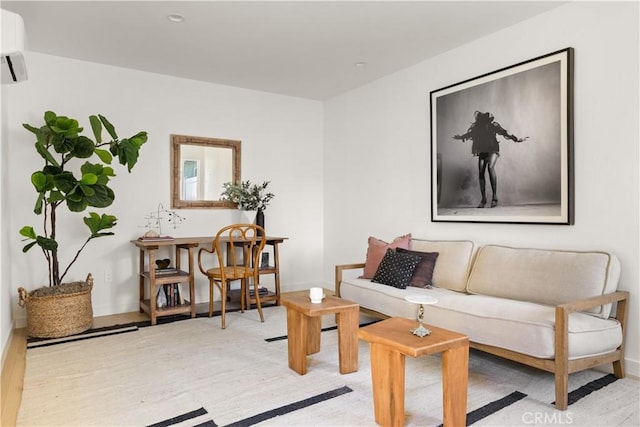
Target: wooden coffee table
<point>304,322</point>
<point>390,341</point>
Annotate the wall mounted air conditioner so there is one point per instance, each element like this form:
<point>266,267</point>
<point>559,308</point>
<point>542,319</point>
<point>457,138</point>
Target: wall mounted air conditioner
<point>12,66</point>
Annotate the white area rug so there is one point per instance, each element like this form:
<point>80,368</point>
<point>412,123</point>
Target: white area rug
<point>191,373</point>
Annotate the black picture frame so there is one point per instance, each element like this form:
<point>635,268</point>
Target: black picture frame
<point>527,108</point>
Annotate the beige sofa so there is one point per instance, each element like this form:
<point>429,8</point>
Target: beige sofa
<point>549,309</point>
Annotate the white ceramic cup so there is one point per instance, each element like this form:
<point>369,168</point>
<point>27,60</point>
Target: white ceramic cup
<point>315,294</point>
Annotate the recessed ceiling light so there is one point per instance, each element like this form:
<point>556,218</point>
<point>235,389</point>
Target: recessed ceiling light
<point>360,64</point>
<point>175,17</point>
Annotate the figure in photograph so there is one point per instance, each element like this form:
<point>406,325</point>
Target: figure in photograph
<point>483,132</point>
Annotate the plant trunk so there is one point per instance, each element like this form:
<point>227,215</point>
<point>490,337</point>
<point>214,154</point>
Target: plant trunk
<point>55,264</point>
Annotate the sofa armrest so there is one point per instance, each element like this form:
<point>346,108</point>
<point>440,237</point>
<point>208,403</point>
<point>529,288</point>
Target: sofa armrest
<point>340,269</point>
<point>562,319</point>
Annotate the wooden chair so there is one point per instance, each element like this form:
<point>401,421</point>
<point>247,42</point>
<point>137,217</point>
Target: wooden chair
<point>238,248</point>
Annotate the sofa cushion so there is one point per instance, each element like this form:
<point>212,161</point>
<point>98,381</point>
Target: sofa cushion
<point>423,274</point>
<point>376,250</point>
<point>454,261</point>
<point>544,276</point>
<point>520,326</point>
<point>396,269</point>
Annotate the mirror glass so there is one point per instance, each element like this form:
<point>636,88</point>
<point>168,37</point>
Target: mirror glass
<point>199,167</point>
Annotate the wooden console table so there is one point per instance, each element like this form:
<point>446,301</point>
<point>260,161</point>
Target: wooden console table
<point>148,273</point>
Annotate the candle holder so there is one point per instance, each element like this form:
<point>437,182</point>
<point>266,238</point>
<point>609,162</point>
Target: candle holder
<point>421,300</point>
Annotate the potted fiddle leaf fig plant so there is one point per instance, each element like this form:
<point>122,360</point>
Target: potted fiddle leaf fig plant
<point>65,183</point>
<point>249,197</point>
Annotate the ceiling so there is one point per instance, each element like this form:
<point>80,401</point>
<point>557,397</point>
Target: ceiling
<point>305,49</point>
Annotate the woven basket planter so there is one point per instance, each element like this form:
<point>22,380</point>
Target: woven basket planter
<point>61,314</point>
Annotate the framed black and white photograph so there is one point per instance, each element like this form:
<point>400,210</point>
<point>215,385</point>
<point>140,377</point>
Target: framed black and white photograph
<point>502,145</point>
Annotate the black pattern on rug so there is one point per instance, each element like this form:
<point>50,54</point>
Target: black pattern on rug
<point>33,342</point>
<point>329,328</point>
<point>89,334</point>
<point>493,407</point>
<point>589,388</point>
<point>301,404</point>
<point>184,417</point>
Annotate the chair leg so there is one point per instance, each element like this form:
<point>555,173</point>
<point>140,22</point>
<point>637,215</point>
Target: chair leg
<point>257,296</point>
<point>223,308</point>
<point>210,297</point>
<point>243,299</point>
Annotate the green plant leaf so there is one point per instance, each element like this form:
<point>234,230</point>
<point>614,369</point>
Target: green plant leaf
<point>28,246</point>
<point>76,196</point>
<point>47,243</point>
<point>39,181</point>
<point>87,190</point>
<point>28,231</point>
<point>108,126</point>
<point>42,150</point>
<point>104,155</point>
<point>65,182</point>
<point>32,129</point>
<point>50,117</point>
<point>55,196</point>
<point>83,147</point>
<point>96,127</point>
<point>139,139</point>
<point>89,178</point>
<point>129,152</point>
<point>102,198</point>
<point>37,209</point>
<point>67,127</point>
<point>77,206</point>
<point>97,223</point>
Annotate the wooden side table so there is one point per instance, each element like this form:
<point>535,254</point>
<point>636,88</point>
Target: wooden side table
<point>304,321</point>
<point>148,273</point>
<point>390,341</point>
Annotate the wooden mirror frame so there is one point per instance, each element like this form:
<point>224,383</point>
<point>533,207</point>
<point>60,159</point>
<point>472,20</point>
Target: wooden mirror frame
<point>177,141</point>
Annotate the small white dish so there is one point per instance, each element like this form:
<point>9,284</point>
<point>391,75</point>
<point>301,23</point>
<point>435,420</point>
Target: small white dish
<point>313,301</point>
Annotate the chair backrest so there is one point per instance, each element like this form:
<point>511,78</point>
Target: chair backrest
<point>242,245</point>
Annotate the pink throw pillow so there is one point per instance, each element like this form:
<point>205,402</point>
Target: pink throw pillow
<point>376,250</point>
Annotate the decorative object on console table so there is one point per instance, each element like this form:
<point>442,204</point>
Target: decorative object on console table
<point>60,145</point>
<point>249,197</point>
<point>155,220</point>
<point>543,88</point>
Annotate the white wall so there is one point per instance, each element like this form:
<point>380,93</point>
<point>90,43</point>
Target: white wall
<point>6,319</point>
<point>281,142</point>
<point>377,145</point>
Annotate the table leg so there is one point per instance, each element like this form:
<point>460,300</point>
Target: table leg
<point>313,332</point>
<point>387,377</point>
<point>348,339</point>
<point>455,373</point>
<point>297,340</point>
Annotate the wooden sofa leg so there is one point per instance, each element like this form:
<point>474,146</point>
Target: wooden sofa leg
<point>618,368</point>
<point>562,396</point>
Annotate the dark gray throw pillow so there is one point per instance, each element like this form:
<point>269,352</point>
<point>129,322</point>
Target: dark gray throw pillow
<point>423,274</point>
<point>396,269</point>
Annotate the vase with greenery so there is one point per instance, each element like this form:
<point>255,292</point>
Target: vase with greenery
<point>66,182</point>
<point>249,197</point>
